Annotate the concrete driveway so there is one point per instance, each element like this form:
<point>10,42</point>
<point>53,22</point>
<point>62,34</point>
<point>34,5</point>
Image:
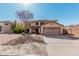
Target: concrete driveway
<point>62,46</point>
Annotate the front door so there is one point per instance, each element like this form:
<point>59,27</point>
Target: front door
<point>37,31</point>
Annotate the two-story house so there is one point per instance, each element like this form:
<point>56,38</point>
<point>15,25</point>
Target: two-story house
<point>46,27</point>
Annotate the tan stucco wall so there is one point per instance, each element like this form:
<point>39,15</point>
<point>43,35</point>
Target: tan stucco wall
<point>5,28</point>
<point>52,24</point>
<point>33,24</point>
<point>73,30</point>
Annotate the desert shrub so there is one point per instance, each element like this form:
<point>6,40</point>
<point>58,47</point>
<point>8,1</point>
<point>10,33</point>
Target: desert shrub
<point>19,28</point>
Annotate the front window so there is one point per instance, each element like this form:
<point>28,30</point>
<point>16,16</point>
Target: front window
<point>37,23</point>
<point>6,23</point>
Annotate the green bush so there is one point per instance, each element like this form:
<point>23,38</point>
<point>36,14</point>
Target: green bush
<point>19,28</point>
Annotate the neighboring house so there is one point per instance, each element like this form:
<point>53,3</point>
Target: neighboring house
<point>5,27</point>
<point>73,29</point>
<point>46,27</point>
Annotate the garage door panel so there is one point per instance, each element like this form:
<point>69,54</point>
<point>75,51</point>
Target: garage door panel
<point>51,31</point>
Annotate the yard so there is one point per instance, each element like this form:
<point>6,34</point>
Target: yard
<point>7,37</point>
<point>56,46</point>
<point>17,44</point>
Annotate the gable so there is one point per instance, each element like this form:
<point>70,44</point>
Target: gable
<point>52,24</point>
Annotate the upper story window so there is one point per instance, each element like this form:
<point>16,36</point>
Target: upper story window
<point>37,23</point>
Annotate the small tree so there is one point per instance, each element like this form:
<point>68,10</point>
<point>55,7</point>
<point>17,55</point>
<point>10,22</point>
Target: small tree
<point>25,16</point>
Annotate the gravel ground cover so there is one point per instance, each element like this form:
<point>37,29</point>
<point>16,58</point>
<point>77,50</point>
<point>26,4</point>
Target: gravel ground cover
<point>24,45</point>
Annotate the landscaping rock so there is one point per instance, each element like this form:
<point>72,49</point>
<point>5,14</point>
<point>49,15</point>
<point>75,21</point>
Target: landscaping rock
<point>24,45</point>
<point>25,39</point>
<point>24,49</point>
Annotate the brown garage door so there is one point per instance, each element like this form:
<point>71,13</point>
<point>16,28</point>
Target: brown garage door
<point>51,30</point>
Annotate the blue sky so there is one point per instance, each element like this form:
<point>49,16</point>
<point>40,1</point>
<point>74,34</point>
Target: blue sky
<point>65,13</point>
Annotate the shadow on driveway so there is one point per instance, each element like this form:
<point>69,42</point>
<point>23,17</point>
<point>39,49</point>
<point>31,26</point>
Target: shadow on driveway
<point>69,37</point>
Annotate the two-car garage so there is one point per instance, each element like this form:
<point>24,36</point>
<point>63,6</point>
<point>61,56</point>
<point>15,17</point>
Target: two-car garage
<point>52,28</point>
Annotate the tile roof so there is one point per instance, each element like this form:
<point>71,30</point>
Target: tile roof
<point>47,21</point>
